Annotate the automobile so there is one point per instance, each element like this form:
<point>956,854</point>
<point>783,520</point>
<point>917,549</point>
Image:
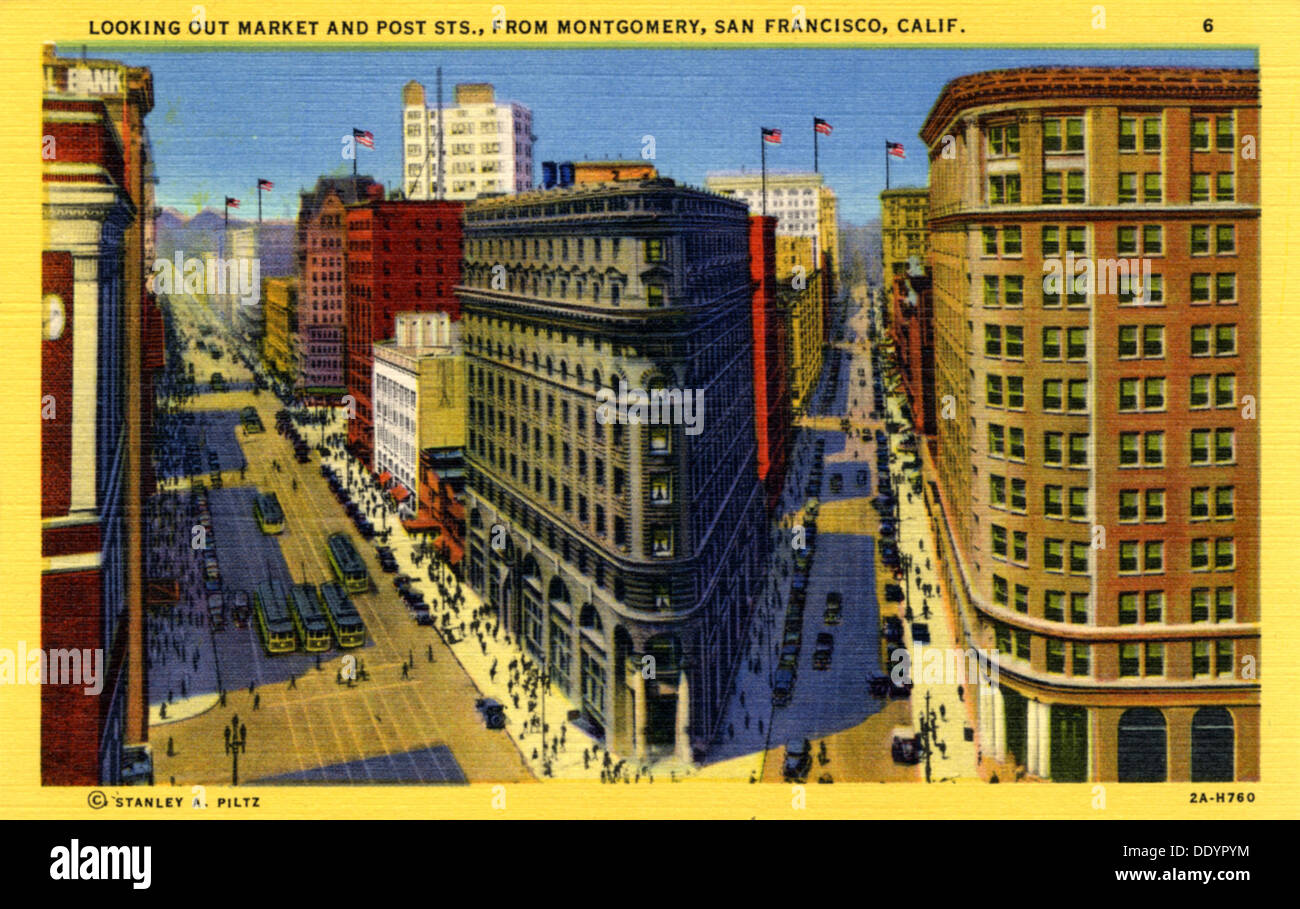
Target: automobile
<point>798,760</point>
<point>834,608</point>
<point>908,444</point>
<point>884,487</point>
<point>802,559</point>
<point>216,609</point>
<point>402,581</point>
<point>412,597</point>
<point>782,687</point>
<point>837,483</point>
<point>137,765</point>
<point>894,593</point>
<point>326,471</point>
<point>889,554</point>
<point>812,507</point>
<point>302,456</point>
<point>881,438</point>
<point>905,745</point>
<point>492,712</point>
<point>789,656</point>
<point>920,633</point>
<point>822,652</point>
<point>892,426</point>
<point>845,424</point>
<point>883,505</point>
<point>388,563</point>
<point>893,629</point>
<point>366,529</point>
<point>794,635</point>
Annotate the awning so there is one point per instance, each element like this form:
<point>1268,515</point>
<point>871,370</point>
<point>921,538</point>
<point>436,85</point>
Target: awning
<point>401,493</point>
<point>385,478</point>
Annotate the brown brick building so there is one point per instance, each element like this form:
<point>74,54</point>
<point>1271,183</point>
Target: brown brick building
<point>1099,509</point>
<point>911,327</point>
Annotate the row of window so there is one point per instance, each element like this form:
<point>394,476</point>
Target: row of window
<point>1065,135</point>
<point>1134,607</point>
<point>1136,449</point>
<point>1069,187</point>
<point>1009,494</point>
<point>1135,557</point>
<point>1136,660</point>
<point>1006,241</point>
<point>1148,290</point>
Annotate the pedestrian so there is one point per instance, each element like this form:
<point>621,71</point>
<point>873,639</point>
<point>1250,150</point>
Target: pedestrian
<point>257,702</point>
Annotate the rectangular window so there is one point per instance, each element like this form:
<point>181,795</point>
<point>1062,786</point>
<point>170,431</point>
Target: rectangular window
<point>1223,658</point>
<point>1155,506</point>
<point>1223,140</point>
<point>1200,239</point>
<point>997,490</point>
<point>1200,658</point>
<point>998,540</point>
<point>1130,662</point>
<point>1200,187</point>
<point>1224,506</point>
<point>993,340</point>
<point>1200,134</point>
<point>1074,190</point>
<point>1016,443</point>
<point>1153,556</point>
<point>1019,547</point>
<point>1015,392</point>
<point>1155,658</point>
<point>1128,341</point>
<point>1128,193</point>
<point>1079,558</point>
<point>1126,241</point>
<point>1225,239</point>
<point>1055,655</point>
<point>1011,244</point>
<point>1223,187</point>
<point>1153,609</point>
<point>1018,500</point>
<point>1200,503</point>
<point>990,241</point>
<point>1021,598</point>
<point>1225,446</point>
<point>1200,604</point>
<point>992,297</point>
<point>1074,134</point>
<point>1200,346</point>
<point>1128,506</point>
<point>1153,240</point>
<point>1153,449</point>
<point>1151,194</point>
<point>1054,605</point>
<point>1053,555</point>
<point>654,250</point>
<point>1015,290</point>
<point>1052,501</point>
<point>1151,134</point>
<point>1200,446</point>
<point>1127,134</point>
<point>1225,287</point>
<point>1225,386</point>
<point>1153,393</point>
<point>1200,288</point>
<point>1077,395</point>
<point>1052,136</point>
<point>1225,340</point>
<point>1225,601</point>
<point>1128,608</point>
<point>1052,187</point>
<point>993,390</point>
<point>1079,608</point>
<point>1225,554</point>
<point>1079,663</point>
<point>1051,343</point>
<point>1015,335</point>
<point>1052,394</point>
<point>1051,241</point>
<point>1078,503</point>
<point>1053,449</point>
<point>1153,341</point>
<point>996,440</point>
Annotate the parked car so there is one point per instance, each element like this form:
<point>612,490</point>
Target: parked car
<point>894,593</point>
<point>893,629</point>
<point>798,760</point>
<point>920,633</point>
<point>492,712</point>
<point>834,608</point>
<point>905,745</point>
<point>822,652</point>
<point>837,483</point>
<point>789,656</point>
<point>782,687</point>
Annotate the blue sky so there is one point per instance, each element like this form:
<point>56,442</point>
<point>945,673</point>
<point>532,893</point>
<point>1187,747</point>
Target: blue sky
<point>224,118</point>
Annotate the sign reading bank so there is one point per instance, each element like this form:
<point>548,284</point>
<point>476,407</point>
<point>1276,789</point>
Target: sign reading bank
<point>84,80</point>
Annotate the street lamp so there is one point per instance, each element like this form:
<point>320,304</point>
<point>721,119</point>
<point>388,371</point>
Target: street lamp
<point>236,741</point>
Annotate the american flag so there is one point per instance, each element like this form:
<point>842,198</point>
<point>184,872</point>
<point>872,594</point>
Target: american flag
<point>232,202</point>
<point>821,126</point>
<point>363,137</point>
<point>265,184</point>
<point>771,136</point>
<point>895,149</point>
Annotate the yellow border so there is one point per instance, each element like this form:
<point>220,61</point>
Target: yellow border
<point>1272,27</point>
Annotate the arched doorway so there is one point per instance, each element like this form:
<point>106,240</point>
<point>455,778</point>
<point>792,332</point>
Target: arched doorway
<point>1016,711</point>
<point>1213,746</point>
<point>533,615</point>
<point>560,648</point>
<point>1142,746</point>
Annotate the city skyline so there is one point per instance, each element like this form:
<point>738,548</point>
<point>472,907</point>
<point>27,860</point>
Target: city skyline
<point>291,135</point>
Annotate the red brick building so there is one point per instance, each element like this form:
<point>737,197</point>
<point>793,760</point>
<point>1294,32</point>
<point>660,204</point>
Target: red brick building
<point>772,416</point>
<point>402,256</point>
<point>442,509</point>
<point>911,327</point>
<point>97,374</point>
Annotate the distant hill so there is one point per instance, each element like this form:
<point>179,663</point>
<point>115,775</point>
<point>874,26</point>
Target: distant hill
<point>202,233</point>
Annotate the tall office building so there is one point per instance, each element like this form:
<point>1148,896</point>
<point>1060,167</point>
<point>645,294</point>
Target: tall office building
<point>322,281</point>
<point>904,238</point>
<point>100,350</point>
<point>1100,479</point>
<point>401,255</point>
<point>795,199</point>
<point>598,540</point>
<point>486,145</point>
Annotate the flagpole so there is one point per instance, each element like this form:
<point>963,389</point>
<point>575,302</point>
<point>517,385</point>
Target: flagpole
<point>762,150</point>
<point>886,165</point>
<point>815,170</point>
<point>259,201</point>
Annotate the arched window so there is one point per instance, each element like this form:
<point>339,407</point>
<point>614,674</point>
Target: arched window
<point>1142,746</point>
<point>1213,746</point>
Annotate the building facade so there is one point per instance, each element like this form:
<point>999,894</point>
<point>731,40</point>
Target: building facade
<point>795,199</point>
<point>486,145</point>
<point>322,281</point>
<point>805,308</point>
<point>599,541</point>
<point>1099,493</point>
<point>97,398</point>
<point>904,237</point>
<point>401,255</point>
<point>280,309</point>
<point>772,416</point>
<point>911,328</point>
<point>419,399</point>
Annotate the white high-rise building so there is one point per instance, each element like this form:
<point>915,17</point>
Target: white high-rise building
<point>794,199</point>
<point>487,144</point>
